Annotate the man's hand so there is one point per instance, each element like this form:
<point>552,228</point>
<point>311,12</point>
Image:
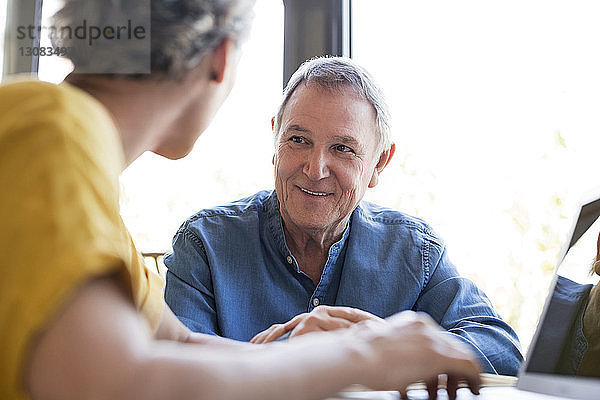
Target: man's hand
<point>410,347</point>
<point>322,318</point>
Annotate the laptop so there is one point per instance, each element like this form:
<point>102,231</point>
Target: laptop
<point>551,369</point>
<point>551,364</point>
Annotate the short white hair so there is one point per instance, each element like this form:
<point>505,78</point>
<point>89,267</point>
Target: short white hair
<point>333,73</point>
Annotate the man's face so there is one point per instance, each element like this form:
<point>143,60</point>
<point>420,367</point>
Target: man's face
<point>326,157</point>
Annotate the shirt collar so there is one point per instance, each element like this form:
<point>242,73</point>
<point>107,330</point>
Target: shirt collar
<point>275,225</point>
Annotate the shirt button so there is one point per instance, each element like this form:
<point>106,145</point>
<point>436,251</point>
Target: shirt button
<point>316,301</point>
<point>290,259</point>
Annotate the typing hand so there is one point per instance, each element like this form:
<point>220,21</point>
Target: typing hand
<point>410,347</point>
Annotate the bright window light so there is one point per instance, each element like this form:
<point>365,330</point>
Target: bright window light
<point>495,111</point>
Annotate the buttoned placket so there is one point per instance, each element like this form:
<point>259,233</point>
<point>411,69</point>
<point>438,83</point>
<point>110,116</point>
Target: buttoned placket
<point>325,282</point>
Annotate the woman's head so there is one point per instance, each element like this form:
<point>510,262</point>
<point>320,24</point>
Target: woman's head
<point>162,67</point>
<point>167,38</point>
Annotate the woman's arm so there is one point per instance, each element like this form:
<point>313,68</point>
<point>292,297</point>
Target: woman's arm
<point>100,347</point>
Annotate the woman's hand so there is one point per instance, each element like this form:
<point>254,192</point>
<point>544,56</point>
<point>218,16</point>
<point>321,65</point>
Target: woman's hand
<point>410,347</point>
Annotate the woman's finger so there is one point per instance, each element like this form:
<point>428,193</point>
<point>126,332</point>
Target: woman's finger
<point>432,388</point>
<point>451,387</point>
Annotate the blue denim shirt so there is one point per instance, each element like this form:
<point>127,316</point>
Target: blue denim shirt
<point>232,274</point>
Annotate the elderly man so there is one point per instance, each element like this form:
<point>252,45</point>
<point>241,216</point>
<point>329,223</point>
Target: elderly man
<point>237,269</point>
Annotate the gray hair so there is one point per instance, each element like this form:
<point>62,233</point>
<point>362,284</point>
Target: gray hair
<point>181,32</point>
<point>333,73</point>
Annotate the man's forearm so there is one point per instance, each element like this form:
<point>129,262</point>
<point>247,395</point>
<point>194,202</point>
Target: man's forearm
<point>494,343</point>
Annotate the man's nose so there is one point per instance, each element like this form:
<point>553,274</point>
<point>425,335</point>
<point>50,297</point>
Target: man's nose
<point>316,166</point>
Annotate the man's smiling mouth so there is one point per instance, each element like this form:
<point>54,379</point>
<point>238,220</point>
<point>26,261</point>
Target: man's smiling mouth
<point>313,193</point>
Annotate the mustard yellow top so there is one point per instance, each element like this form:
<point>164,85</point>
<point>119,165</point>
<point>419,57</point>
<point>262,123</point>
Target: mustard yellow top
<point>60,158</point>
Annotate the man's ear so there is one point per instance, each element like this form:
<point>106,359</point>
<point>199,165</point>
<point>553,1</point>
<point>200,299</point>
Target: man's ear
<point>273,130</point>
<point>384,160</point>
<point>221,58</point>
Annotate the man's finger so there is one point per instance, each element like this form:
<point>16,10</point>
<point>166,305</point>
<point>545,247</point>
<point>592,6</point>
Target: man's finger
<point>292,323</point>
<point>332,323</point>
<point>320,324</point>
<point>351,314</point>
<point>276,333</point>
<point>260,337</point>
<point>257,339</point>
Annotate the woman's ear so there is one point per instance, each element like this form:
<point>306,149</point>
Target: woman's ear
<point>221,58</point>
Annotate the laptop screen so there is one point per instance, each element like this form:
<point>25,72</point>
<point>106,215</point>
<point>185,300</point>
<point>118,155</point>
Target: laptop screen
<point>568,338</point>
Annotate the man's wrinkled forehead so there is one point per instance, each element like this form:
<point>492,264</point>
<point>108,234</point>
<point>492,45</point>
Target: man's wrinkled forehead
<point>305,87</point>
<point>332,104</point>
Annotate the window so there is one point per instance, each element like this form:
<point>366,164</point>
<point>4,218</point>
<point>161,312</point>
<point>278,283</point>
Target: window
<point>3,10</point>
<point>51,68</point>
<point>495,115</point>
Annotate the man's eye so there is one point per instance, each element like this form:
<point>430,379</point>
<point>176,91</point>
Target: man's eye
<point>343,148</point>
<point>297,139</point>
